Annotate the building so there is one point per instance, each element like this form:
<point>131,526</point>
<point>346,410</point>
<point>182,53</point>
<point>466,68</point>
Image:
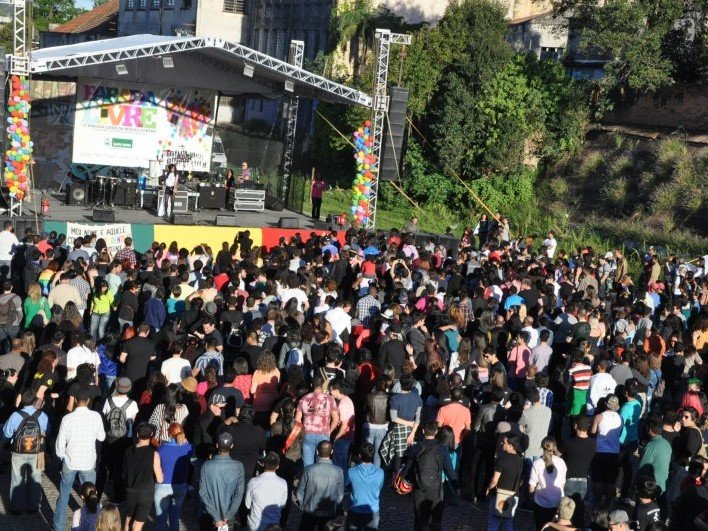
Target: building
<point>544,35</point>
<point>99,23</point>
<point>209,18</point>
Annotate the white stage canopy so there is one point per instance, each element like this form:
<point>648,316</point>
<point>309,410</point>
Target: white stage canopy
<point>197,62</point>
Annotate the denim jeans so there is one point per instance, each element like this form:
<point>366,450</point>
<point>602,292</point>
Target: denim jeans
<point>25,483</point>
<point>375,436</point>
<point>106,382</point>
<point>362,521</point>
<point>495,522</point>
<point>98,325</point>
<point>66,484</point>
<point>341,454</point>
<point>309,447</point>
<point>168,505</point>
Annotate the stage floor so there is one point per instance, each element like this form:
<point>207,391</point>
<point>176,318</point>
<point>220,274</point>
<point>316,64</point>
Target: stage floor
<point>60,211</point>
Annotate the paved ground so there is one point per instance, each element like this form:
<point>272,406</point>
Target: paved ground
<point>396,511</point>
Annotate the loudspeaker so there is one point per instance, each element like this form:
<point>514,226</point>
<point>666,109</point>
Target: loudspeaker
<point>125,193</point>
<point>289,223</point>
<point>104,214</point>
<point>321,225</point>
<point>76,194</point>
<point>225,220</point>
<point>180,218</point>
<point>211,196</point>
<point>394,132</point>
<point>274,203</point>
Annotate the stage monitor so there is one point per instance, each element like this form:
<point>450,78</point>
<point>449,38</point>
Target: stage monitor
<point>123,124</point>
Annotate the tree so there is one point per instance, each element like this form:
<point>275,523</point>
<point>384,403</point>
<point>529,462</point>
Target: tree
<point>46,12</point>
<point>97,3</point>
<point>353,30</point>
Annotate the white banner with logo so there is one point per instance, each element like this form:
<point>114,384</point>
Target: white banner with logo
<point>112,233</point>
<point>121,124</point>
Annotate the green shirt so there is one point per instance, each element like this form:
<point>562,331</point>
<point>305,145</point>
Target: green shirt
<point>102,305</point>
<point>655,461</point>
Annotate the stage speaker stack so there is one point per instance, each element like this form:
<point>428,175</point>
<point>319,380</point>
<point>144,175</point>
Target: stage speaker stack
<point>182,218</point>
<point>104,214</point>
<point>212,196</point>
<point>76,194</point>
<point>225,220</point>
<point>274,203</point>
<point>126,193</point>
<point>394,135</point>
<point>321,225</point>
<point>289,223</point>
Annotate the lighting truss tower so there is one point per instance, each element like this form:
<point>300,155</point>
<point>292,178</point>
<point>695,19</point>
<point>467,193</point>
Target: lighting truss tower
<point>19,62</point>
<point>295,58</point>
<point>384,40</point>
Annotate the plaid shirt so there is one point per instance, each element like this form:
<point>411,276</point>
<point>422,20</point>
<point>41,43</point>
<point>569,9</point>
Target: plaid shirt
<point>84,289</point>
<point>126,253</point>
<point>366,308</point>
<point>466,311</point>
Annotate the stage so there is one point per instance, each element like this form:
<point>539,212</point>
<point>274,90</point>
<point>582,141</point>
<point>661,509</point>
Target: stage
<point>144,226</point>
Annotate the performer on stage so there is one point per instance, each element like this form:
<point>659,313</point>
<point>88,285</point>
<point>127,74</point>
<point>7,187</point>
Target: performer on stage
<point>245,173</point>
<point>169,187</point>
<point>230,179</point>
<point>317,188</point>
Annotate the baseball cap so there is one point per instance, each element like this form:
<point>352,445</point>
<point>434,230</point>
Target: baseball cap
<point>225,440</point>
<point>613,403</point>
<point>217,398</point>
<point>609,255</point>
<point>619,517</point>
<point>123,385</point>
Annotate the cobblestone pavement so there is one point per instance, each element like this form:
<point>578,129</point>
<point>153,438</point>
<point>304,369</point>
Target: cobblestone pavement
<point>396,511</point>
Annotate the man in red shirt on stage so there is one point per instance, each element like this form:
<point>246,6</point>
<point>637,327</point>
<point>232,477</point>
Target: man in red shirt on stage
<point>318,187</point>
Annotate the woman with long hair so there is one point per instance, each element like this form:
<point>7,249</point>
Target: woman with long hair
<point>170,410</point>
<point>100,309</point>
<point>286,439</point>
<point>107,368</point>
<point>547,482</point>
<point>46,376</point>
<point>109,518</point>
<point>86,518</point>
<point>175,456</point>
<point>264,388</point>
<point>36,305</point>
<point>85,381</point>
<point>71,318</point>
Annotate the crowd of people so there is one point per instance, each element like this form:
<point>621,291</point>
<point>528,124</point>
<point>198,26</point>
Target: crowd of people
<point>334,369</point>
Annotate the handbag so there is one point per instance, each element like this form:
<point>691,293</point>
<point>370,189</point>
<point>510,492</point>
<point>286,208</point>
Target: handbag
<point>505,503</point>
<point>294,434</point>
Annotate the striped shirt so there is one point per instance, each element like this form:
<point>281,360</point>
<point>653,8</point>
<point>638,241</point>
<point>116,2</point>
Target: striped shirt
<point>579,376</point>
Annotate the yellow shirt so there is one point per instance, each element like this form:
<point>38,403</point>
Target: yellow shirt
<point>102,304</point>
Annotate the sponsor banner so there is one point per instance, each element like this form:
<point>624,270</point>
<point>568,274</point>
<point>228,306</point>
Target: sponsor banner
<point>113,233</point>
<point>117,124</point>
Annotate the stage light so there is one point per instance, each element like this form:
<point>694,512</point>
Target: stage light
<point>168,62</point>
<point>289,86</point>
<point>121,69</point>
<point>248,70</point>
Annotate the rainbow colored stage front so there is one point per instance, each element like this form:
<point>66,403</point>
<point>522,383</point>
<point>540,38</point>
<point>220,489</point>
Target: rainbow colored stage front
<point>187,236</point>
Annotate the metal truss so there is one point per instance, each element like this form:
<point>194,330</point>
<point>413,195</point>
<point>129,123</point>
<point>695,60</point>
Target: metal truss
<point>296,57</point>
<point>257,59</point>
<point>384,39</point>
<point>19,63</point>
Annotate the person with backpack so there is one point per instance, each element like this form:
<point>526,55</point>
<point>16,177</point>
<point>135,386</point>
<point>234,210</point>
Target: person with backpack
<point>119,411</point>
<point>10,316</point>
<point>425,463</point>
<point>26,429</point>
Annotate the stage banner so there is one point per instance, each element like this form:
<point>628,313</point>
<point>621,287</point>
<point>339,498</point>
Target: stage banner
<point>113,233</point>
<point>122,124</point>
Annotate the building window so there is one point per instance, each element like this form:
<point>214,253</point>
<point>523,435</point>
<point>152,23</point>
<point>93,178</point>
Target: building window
<point>155,4</point>
<point>130,5</point>
<point>235,6</point>
<point>186,4</point>
<point>142,4</point>
<point>170,4</point>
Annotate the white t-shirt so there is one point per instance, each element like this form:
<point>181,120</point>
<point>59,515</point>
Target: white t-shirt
<point>601,385</point>
<point>608,433</point>
<point>175,370</point>
<point>549,486</point>
<point>551,245</point>
<point>289,293</point>
<point>77,356</point>
<point>170,180</point>
<point>130,413</point>
<point>7,241</point>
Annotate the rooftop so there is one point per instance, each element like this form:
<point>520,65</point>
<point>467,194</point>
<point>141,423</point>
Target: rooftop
<point>91,19</point>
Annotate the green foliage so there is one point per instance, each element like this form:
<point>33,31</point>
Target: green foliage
<point>46,12</point>
<point>422,181</point>
<point>505,194</point>
<point>6,37</point>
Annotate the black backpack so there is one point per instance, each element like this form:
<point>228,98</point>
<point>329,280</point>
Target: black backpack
<point>8,312</point>
<point>28,438</point>
<point>428,469</point>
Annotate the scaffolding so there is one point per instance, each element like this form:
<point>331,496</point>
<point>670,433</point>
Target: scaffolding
<point>296,57</point>
<point>384,40</point>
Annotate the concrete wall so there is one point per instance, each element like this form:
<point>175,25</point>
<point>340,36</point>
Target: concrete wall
<point>175,14</point>
<point>213,21</point>
<point>539,35</point>
<point>415,11</point>
<point>673,107</point>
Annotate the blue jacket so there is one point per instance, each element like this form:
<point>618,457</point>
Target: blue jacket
<point>221,487</point>
<point>367,481</point>
<point>321,488</point>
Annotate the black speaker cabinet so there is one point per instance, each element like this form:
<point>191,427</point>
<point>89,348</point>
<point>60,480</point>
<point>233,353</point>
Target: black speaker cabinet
<point>211,196</point>
<point>76,194</point>
<point>104,214</point>
<point>321,225</point>
<point>179,218</point>
<point>126,194</point>
<point>274,203</point>
<point>225,220</point>
<point>394,135</point>
<point>289,223</point>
